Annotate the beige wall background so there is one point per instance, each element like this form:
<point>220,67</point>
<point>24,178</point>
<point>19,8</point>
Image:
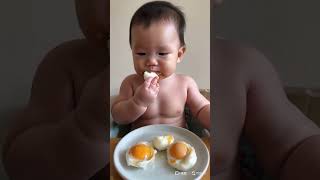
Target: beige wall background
<point>196,62</point>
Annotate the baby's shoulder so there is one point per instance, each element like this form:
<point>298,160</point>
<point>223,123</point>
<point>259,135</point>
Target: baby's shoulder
<point>184,78</point>
<point>131,79</point>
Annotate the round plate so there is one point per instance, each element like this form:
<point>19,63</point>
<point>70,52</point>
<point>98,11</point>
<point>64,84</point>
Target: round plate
<point>160,169</point>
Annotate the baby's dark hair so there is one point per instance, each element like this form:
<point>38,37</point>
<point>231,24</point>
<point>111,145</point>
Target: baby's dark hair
<point>158,11</point>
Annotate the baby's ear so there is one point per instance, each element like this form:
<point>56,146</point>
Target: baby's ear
<point>181,52</point>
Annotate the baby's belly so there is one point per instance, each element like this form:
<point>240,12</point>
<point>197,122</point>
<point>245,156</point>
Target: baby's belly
<point>173,121</point>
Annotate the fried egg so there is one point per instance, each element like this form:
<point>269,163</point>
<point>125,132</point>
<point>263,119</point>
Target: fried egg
<point>140,155</point>
<point>147,75</point>
<point>162,142</point>
<point>181,156</point>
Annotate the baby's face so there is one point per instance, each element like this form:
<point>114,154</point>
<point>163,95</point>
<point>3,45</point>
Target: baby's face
<point>156,48</point>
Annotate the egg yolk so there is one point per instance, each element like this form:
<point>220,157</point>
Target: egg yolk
<point>170,139</point>
<point>178,150</point>
<point>141,151</point>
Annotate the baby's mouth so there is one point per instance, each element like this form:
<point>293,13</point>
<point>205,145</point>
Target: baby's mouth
<point>157,72</point>
<point>152,74</point>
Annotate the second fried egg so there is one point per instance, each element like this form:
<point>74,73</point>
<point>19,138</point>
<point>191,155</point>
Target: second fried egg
<point>181,156</point>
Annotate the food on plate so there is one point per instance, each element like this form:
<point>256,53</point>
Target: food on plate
<point>147,75</point>
<point>181,156</point>
<point>162,142</point>
<point>140,154</point>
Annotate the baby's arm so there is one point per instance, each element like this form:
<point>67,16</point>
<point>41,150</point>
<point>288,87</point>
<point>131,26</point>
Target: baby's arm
<point>198,104</point>
<point>126,109</point>
<point>50,131</point>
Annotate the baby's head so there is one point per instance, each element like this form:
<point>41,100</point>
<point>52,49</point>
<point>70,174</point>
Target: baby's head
<point>159,11</point>
<point>93,17</point>
<point>156,38</point>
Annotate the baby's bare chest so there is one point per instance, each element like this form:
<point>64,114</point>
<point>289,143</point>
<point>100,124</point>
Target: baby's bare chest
<point>170,103</point>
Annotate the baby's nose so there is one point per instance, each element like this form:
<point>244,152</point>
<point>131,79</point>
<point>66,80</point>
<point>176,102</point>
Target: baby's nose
<point>152,61</point>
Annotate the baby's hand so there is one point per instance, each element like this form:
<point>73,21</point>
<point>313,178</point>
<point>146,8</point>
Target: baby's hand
<point>147,92</point>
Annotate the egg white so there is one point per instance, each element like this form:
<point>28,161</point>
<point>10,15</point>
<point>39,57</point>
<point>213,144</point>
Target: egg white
<point>186,163</point>
<point>162,142</point>
<point>147,75</point>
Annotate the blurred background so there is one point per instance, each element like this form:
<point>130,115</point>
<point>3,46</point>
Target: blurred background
<point>287,33</point>
<point>29,29</point>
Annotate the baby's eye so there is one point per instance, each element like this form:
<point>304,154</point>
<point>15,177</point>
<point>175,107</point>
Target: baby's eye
<point>163,54</point>
<point>141,54</point>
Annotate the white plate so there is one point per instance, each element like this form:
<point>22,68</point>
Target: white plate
<point>160,169</point>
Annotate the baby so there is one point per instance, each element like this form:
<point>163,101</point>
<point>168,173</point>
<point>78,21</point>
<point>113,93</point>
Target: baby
<point>157,44</point>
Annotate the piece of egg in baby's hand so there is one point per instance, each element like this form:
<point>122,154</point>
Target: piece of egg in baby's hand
<point>162,142</point>
<point>181,156</point>
<point>147,75</point>
<point>140,155</point>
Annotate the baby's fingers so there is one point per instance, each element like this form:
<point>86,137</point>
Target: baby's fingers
<point>151,82</point>
<point>154,80</point>
<point>154,88</point>
<point>147,82</point>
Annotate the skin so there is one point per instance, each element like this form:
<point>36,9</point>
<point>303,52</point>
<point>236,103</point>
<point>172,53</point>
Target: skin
<point>158,100</point>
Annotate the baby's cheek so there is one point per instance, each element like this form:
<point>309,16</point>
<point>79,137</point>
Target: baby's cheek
<point>168,70</point>
<point>139,68</point>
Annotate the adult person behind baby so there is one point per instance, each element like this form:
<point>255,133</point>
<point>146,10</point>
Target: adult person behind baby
<point>157,43</point>
<point>249,100</point>
<point>62,133</point>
